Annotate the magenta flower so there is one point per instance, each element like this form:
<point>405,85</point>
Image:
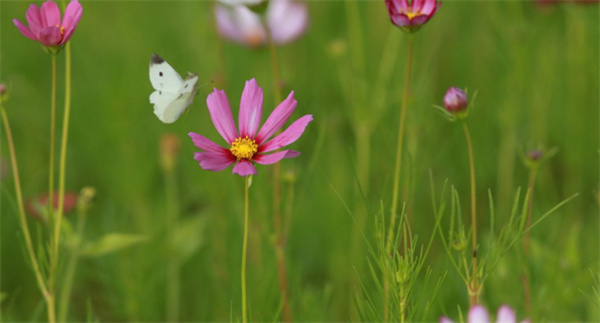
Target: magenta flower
<point>287,20</point>
<point>45,25</point>
<point>455,100</point>
<point>410,16</point>
<point>479,314</point>
<point>248,146</point>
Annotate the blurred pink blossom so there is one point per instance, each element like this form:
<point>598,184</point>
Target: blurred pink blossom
<point>410,16</point>
<point>287,20</point>
<point>479,314</point>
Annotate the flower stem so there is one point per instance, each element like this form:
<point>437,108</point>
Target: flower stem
<point>52,142</point>
<point>474,288</point>
<point>394,209</point>
<point>65,295</point>
<point>279,244</point>
<point>245,250</point>
<point>173,265</point>
<point>526,240</point>
<point>24,227</point>
<point>62,163</point>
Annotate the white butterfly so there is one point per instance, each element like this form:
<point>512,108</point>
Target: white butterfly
<point>173,94</point>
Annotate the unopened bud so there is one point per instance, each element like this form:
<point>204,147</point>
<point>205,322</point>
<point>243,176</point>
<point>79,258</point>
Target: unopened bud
<point>535,155</point>
<point>455,100</point>
<point>169,149</point>
<point>86,199</point>
<point>403,273</point>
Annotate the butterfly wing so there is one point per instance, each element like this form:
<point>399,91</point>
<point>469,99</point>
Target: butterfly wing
<point>181,102</point>
<point>163,76</point>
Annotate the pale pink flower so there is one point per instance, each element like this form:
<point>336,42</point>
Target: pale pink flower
<point>411,15</point>
<point>479,314</point>
<point>45,25</point>
<point>287,20</point>
<point>246,145</point>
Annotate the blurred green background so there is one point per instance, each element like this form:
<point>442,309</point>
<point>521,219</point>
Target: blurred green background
<point>536,70</point>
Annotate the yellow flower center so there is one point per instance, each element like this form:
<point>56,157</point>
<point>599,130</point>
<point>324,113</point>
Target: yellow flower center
<point>62,29</point>
<point>244,148</point>
<point>410,14</point>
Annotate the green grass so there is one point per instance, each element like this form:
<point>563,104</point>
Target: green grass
<point>536,70</point>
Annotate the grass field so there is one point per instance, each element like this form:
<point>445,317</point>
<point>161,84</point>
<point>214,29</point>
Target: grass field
<point>535,69</point>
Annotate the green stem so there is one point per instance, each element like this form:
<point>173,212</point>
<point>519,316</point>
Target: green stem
<point>397,168</point>
<point>279,244</point>
<point>65,295</point>
<point>474,283</point>
<point>52,142</point>
<point>173,265</point>
<point>526,241</point>
<point>62,162</point>
<point>245,250</point>
<point>36,268</point>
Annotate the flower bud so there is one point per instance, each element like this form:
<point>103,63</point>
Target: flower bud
<point>2,89</point>
<point>86,199</point>
<point>455,100</point>
<point>535,155</point>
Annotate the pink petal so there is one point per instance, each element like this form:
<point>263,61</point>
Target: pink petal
<point>400,20</point>
<point>478,314</point>
<point>275,157</point>
<point>240,24</point>
<point>287,20</point>
<point>277,119</point>
<point>291,134</point>
<point>506,315</point>
<point>244,168</point>
<point>72,14</point>
<point>67,35</point>
<point>51,36</point>
<point>220,113</point>
<point>34,19</point>
<point>205,143</point>
<point>417,5</point>
<point>214,161</point>
<point>419,20</point>
<point>444,319</point>
<point>50,14</point>
<point>24,30</point>
<point>250,109</point>
<point>428,7</point>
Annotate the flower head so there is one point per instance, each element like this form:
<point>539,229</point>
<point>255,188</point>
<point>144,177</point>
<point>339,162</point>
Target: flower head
<point>248,145</point>
<point>411,15</point>
<point>287,20</point>
<point>479,314</point>
<point>46,27</point>
<point>455,100</point>
<point>456,104</point>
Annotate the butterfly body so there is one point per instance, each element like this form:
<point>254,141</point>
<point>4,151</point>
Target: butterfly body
<point>172,94</point>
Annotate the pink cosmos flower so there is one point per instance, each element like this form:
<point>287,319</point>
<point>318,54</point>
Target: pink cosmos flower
<point>410,16</point>
<point>246,145</point>
<point>287,20</point>
<point>479,314</point>
<point>455,100</point>
<point>45,25</point>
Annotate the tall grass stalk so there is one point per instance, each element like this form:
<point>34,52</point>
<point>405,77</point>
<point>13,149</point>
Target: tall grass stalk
<point>28,243</point>
<point>279,244</point>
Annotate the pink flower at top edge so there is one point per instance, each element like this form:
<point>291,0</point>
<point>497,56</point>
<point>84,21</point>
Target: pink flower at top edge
<point>479,314</point>
<point>247,146</point>
<point>45,25</point>
<point>287,20</point>
<point>411,15</point>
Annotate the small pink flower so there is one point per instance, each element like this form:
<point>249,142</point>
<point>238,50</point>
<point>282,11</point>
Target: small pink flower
<point>37,206</point>
<point>45,25</point>
<point>455,100</point>
<point>410,16</point>
<point>248,146</point>
<point>287,20</point>
<point>479,314</point>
